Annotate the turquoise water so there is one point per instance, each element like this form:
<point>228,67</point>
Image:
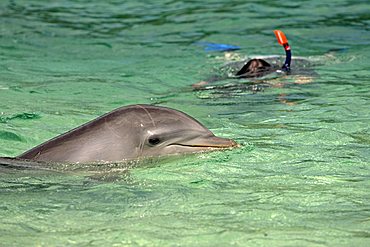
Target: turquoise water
<point>301,177</point>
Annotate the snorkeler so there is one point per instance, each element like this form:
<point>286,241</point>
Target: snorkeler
<point>259,67</point>
<point>256,67</point>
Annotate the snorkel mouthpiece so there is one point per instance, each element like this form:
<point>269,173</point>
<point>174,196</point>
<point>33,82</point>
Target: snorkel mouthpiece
<point>281,38</point>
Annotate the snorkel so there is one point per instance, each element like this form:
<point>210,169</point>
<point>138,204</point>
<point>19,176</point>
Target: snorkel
<point>280,36</point>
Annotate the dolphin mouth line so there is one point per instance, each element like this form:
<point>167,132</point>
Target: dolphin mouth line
<point>205,145</point>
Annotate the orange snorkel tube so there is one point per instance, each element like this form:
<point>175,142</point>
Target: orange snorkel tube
<point>281,38</point>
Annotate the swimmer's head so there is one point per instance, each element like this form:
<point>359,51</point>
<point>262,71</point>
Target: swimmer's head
<point>254,68</point>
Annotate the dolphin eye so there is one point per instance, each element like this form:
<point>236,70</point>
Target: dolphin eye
<point>154,140</point>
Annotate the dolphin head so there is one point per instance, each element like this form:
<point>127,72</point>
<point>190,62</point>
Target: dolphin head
<point>168,131</point>
<point>129,132</point>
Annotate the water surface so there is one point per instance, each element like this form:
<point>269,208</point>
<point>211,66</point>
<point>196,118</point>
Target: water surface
<point>301,177</point>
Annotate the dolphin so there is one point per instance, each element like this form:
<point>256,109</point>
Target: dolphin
<point>129,132</point>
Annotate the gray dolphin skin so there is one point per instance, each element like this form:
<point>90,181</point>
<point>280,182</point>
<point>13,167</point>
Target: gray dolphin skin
<point>129,132</point>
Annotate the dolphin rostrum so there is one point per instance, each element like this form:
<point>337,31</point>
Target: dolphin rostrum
<point>129,132</point>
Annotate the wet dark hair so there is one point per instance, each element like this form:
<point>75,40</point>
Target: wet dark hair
<point>254,68</point>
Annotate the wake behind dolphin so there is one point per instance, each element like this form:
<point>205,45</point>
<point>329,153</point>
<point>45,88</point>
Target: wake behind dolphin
<point>129,132</point>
